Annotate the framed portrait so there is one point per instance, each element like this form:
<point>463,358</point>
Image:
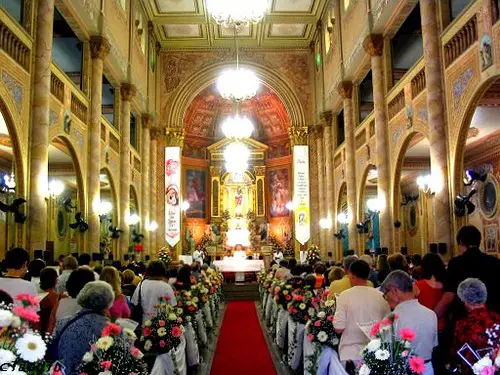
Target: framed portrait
<point>491,238</point>
<point>196,193</point>
<point>279,192</point>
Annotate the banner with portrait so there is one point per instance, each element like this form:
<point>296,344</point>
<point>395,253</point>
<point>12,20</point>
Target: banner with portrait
<point>172,195</point>
<point>195,193</point>
<point>301,193</point>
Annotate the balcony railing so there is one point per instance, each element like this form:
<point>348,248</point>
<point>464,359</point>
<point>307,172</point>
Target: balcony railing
<point>78,108</point>
<point>56,87</point>
<point>461,41</point>
<point>14,47</point>
<point>396,104</point>
<point>418,83</point>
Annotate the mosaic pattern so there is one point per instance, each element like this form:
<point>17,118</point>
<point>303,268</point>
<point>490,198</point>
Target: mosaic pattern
<point>15,89</point>
<point>397,133</point>
<point>460,85</point>
<point>53,118</point>
<point>78,137</point>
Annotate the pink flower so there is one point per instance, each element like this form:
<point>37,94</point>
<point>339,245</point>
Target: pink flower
<point>404,354</point>
<point>288,297</point>
<point>161,323</point>
<point>28,299</point>
<point>93,347</point>
<point>488,370</point>
<point>317,323</point>
<point>329,318</point>
<point>386,322</point>
<point>310,337</point>
<point>298,297</point>
<point>395,316</point>
<point>134,351</point>
<point>375,329</point>
<point>147,331</point>
<point>26,314</point>
<point>106,365</point>
<point>162,344</point>
<point>277,290</point>
<point>111,329</point>
<point>417,365</point>
<point>407,334</point>
<point>176,331</point>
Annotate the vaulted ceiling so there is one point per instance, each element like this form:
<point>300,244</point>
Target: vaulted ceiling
<point>208,110</point>
<point>187,24</point>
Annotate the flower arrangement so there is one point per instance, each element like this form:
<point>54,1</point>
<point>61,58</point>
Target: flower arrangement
<point>319,328</point>
<point>490,363</point>
<point>300,307</point>
<point>113,354</point>
<point>283,294</point>
<point>388,353</point>
<point>163,331</point>
<point>200,291</point>
<point>22,348</point>
<point>312,255</point>
<point>188,302</point>
<point>164,255</point>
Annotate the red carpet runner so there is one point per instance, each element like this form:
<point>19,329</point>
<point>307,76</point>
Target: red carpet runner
<point>241,348</point>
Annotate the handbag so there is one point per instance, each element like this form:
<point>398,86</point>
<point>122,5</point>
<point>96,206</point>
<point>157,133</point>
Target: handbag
<point>137,310</point>
<point>52,353</point>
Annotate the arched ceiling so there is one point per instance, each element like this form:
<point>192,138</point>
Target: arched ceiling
<point>208,110</point>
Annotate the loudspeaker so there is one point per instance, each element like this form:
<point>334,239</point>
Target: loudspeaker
<point>404,250</point>
<point>38,254</point>
<point>433,248</point>
<point>378,251</point>
<point>329,254</point>
<point>442,248</point>
<point>48,257</point>
<point>147,257</point>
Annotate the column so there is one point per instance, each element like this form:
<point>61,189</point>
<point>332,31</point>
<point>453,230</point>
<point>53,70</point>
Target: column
<point>329,186</point>
<point>345,90</point>
<point>374,46</point>
<point>99,48</point>
<point>318,136</point>
<point>127,92</point>
<point>154,245</point>
<point>39,156</point>
<point>436,115</point>
<point>146,122</point>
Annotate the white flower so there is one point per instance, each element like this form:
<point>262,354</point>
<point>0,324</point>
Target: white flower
<point>105,343</point>
<point>16,371</point>
<point>310,311</point>
<point>131,334</point>
<point>482,363</point>
<point>329,303</point>
<point>179,311</point>
<point>322,336</point>
<point>6,356</point>
<point>172,317</point>
<point>497,360</point>
<point>105,373</point>
<point>382,354</point>
<point>5,318</point>
<point>148,345</point>
<point>16,322</point>
<point>373,345</point>
<point>321,314</point>
<point>195,299</point>
<point>31,347</point>
<point>162,331</point>
<point>364,370</point>
<point>88,357</point>
<point>302,306</point>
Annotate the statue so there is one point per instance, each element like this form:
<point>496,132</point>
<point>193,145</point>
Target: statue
<point>214,234</point>
<point>238,198</point>
<point>263,230</point>
<point>190,241</point>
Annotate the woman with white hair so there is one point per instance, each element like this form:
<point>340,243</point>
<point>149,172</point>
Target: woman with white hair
<point>77,333</point>
<point>470,329</point>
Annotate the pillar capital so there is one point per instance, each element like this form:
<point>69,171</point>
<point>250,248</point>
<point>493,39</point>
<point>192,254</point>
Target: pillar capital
<point>174,137</point>
<point>127,91</point>
<point>260,170</point>
<point>215,171</point>
<point>374,44</point>
<point>147,121</point>
<point>326,118</point>
<point>156,133</point>
<point>317,131</point>
<point>298,135</point>
<point>345,89</point>
<point>99,47</point>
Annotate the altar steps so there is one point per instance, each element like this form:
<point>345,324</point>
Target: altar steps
<point>240,292</point>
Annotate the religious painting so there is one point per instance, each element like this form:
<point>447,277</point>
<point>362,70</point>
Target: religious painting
<point>491,238</point>
<point>279,189</point>
<point>486,52</point>
<point>196,193</point>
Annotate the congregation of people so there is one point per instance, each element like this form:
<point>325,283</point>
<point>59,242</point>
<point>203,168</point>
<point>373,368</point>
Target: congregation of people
<point>447,304</point>
<point>78,299</point>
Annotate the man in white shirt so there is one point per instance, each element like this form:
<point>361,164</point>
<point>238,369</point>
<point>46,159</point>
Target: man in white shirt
<point>69,265</point>
<point>16,262</point>
<point>398,292</point>
<point>278,256</point>
<point>198,256</point>
<point>358,306</point>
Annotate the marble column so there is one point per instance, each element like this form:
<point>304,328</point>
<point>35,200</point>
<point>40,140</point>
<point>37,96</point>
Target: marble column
<point>39,136</point>
<point>329,185</point>
<point>127,92</point>
<point>374,46</point>
<point>146,122</point>
<point>437,123</point>
<point>318,135</point>
<point>345,90</point>
<point>99,48</point>
<point>154,245</point>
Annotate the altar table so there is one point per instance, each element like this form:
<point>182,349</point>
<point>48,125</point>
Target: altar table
<point>239,265</point>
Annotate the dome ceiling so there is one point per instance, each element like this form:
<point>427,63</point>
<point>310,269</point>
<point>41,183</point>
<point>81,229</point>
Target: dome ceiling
<point>208,110</point>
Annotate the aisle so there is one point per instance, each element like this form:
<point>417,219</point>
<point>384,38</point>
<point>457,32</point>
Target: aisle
<point>241,347</point>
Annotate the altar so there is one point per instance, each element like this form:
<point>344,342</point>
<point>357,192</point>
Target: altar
<point>239,266</point>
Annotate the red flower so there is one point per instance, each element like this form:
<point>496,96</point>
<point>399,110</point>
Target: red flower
<point>28,299</point>
<point>191,308</point>
<point>288,297</point>
<point>111,329</point>
<point>138,247</point>
<point>386,322</point>
<point>298,297</point>
<point>375,329</point>
<point>179,303</point>
<point>176,331</point>
<point>106,365</point>
<point>147,331</point>
<point>417,365</point>
<point>407,334</point>
<point>162,343</point>
<point>161,323</point>
<point>26,314</point>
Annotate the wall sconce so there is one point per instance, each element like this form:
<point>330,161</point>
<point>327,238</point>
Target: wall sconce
<point>56,188</point>
<point>326,223</point>
<point>339,235</point>
<point>185,206</point>
<point>152,227</point>
<point>344,218</point>
<point>133,219</point>
<point>103,208</point>
<point>427,184</point>
<point>374,206</point>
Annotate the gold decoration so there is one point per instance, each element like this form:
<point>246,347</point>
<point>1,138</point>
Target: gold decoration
<point>374,44</point>
<point>215,171</point>
<point>326,118</point>
<point>174,137</point>
<point>345,89</point>
<point>127,91</point>
<point>298,135</point>
<point>99,47</point>
<point>146,121</point>
<point>260,171</point>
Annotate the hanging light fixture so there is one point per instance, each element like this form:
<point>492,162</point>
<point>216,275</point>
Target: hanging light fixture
<point>237,12</point>
<point>237,84</point>
<point>237,127</point>
<point>236,156</point>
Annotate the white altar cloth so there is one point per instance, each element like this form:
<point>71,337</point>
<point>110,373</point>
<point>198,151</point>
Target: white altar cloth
<point>239,265</point>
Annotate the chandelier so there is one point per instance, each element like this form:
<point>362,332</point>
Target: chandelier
<point>237,84</point>
<point>236,156</point>
<point>237,12</point>
<point>237,127</point>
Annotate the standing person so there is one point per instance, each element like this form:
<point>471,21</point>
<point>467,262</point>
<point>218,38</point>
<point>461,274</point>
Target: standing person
<point>152,288</point>
<point>34,268</point>
<point>338,286</point>
<point>360,305</point>
<point>48,281</point>
<point>283,273</point>
<point>84,260</point>
<point>198,256</point>
<point>471,262</point>
<point>278,255</point>
<point>120,307</point>
<point>398,292</point>
<point>70,264</point>
<point>16,263</point>
<point>383,268</point>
